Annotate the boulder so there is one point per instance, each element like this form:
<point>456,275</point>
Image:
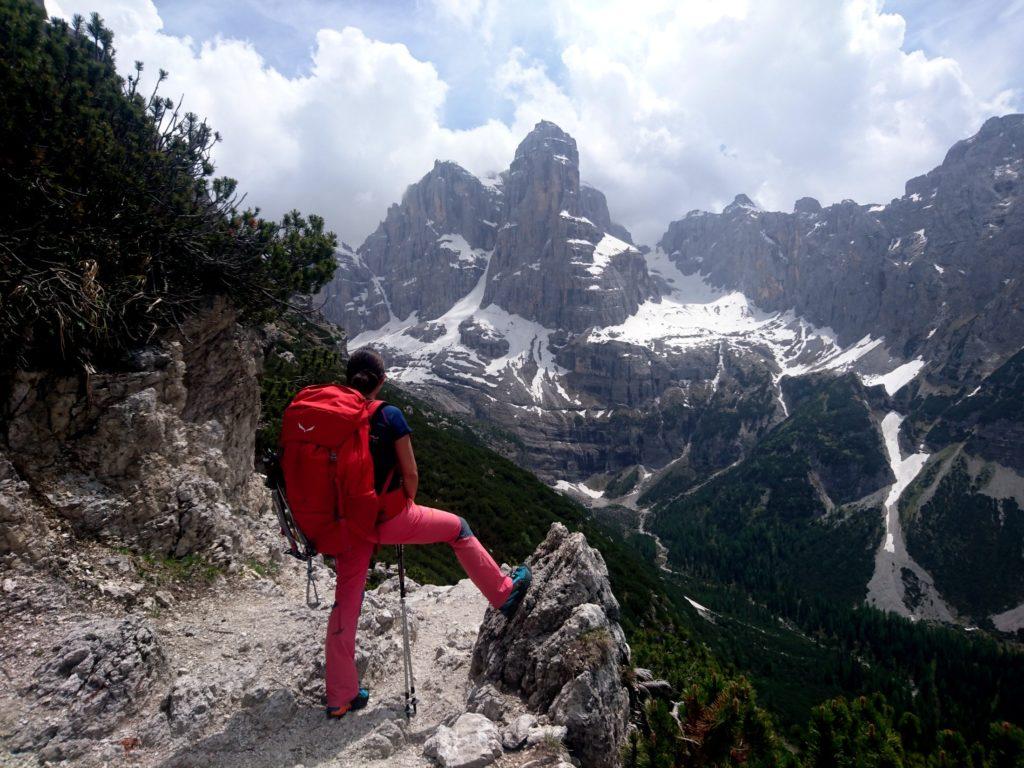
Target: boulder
<point>472,742</point>
<point>514,736</point>
<point>486,700</point>
<point>563,650</point>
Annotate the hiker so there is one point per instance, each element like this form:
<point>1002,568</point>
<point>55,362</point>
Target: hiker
<point>400,521</point>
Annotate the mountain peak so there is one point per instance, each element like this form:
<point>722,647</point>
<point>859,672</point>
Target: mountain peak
<point>741,202</point>
<point>807,205</point>
<point>548,138</point>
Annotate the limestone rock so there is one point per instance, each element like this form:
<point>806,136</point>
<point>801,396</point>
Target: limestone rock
<point>189,704</point>
<point>551,263</point>
<point>563,650</point>
<point>384,741</point>
<point>487,701</point>
<point>95,675</point>
<point>514,736</point>
<point>472,742</point>
<point>158,457</point>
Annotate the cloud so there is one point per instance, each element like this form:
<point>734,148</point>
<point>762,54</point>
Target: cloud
<point>344,140</point>
<point>676,104</point>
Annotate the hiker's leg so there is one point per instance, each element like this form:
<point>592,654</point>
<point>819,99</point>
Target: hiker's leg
<point>424,525</point>
<point>351,564</point>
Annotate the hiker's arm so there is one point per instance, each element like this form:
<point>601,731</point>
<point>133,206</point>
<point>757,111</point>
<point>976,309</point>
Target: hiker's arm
<point>407,463</point>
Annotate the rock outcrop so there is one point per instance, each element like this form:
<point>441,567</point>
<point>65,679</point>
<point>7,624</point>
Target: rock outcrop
<point>158,458</point>
<point>92,678</point>
<point>548,247</point>
<point>564,651</point>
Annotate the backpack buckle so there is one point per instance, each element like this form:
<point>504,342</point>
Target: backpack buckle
<point>332,456</point>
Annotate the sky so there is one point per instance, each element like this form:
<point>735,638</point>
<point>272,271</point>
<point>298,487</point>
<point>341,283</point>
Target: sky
<point>336,106</point>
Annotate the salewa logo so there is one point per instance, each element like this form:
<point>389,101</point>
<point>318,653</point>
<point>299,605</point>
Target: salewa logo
<point>304,428</point>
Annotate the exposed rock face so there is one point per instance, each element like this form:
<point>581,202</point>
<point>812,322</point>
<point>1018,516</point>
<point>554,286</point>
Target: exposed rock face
<point>354,298</point>
<point>552,264</point>
<point>430,250</point>
<point>936,272</point>
<point>159,458</point>
<point>563,651</point>
<point>433,248</point>
<point>551,260</point>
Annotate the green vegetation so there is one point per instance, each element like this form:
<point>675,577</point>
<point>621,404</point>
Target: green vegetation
<point>778,549</point>
<point>970,543</point>
<point>162,570</point>
<point>622,483</point>
<point>112,227</point>
<point>867,732</point>
<point>775,522</point>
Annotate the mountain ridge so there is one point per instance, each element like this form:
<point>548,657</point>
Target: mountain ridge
<point>669,363</point>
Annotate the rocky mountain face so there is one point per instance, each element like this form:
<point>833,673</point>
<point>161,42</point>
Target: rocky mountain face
<point>538,235</point>
<point>157,459</point>
<point>552,264</point>
<point>547,342</point>
<point>937,273</point>
<point>600,361</point>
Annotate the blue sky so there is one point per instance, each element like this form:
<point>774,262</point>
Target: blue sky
<point>284,32</point>
<point>985,36</point>
<point>337,105</point>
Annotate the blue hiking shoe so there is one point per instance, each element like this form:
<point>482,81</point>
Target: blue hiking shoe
<point>521,580</point>
<point>359,702</point>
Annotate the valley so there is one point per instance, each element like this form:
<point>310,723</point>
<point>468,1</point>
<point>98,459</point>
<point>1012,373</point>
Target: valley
<point>601,360</point>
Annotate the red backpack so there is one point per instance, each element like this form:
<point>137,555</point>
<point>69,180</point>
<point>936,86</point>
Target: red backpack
<point>327,466</point>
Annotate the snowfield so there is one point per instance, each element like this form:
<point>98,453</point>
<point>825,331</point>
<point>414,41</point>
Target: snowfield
<point>690,314</point>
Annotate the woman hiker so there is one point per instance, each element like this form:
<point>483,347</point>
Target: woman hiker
<point>403,522</point>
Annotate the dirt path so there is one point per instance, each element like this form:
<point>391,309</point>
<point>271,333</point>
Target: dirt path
<point>242,679</point>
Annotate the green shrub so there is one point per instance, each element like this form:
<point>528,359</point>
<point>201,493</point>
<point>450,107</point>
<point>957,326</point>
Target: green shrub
<point>112,227</point>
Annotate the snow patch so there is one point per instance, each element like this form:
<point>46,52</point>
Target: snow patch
<point>705,612</point>
<point>896,379</point>
<point>606,250</point>
<point>905,471</point>
<point>566,487</point>
<point>570,217</point>
<point>458,245</point>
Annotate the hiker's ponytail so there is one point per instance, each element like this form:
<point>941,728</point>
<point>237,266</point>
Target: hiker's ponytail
<point>365,370</point>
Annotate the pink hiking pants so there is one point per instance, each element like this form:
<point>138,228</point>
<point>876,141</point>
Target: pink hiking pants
<point>414,525</point>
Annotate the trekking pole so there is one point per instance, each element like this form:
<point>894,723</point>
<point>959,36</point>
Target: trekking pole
<point>410,683</point>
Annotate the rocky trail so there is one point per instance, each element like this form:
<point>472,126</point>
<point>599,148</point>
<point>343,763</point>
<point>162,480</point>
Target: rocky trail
<point>231,673</point>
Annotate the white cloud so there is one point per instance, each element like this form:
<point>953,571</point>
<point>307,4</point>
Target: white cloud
<point>344,140</point>
<point>675,104</point>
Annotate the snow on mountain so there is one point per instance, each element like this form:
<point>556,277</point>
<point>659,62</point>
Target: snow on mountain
<point>888,585</point>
